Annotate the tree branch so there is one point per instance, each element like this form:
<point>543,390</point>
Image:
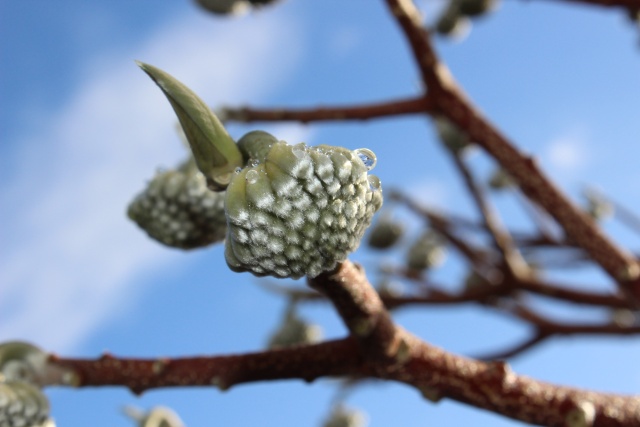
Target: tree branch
<point>417,105</point>
<point>450,101</point>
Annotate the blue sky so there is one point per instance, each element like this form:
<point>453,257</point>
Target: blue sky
<point>82,129</point>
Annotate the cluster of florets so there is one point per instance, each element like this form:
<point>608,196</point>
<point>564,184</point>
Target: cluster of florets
<point>299,210</point>
<point>178,210</point>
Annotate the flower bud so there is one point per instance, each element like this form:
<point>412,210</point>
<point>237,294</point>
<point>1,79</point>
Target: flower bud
<point>23,404</point>
<point>300,211</point>
<point>295,331</point>
<point>597,207</point>
<point>475,7</point>
<point>21,361</point>
<point>427,252</point>
<point>158,416</point>
<point>344,417</point>
<point>451,136</point>
<point>501,180</point>
<point>385,233</point>
<point>178,210</point>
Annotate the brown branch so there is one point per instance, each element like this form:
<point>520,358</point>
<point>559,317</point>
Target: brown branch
<point>332,358</point>
<point>362,311</point>
<point>573,296</point>
<point>517,349</point>
<point>399,107</point>
<point>514,262</point>
<point>377,349</point>
<point>410,21</point>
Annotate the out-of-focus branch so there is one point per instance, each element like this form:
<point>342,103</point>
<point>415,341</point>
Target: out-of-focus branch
<point>450,101</point>
<point>546,328</point>
<point>419,105</point>
<point>514,262</point>
<point>625,4</point>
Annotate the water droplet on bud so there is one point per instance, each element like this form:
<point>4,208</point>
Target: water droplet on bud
<point>367,156</point>
<point>374,183</point>
<point>252,176</point>
<point>299,150</point>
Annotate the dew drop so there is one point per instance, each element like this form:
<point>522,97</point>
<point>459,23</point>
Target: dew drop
<point>252,176</point>
<point>367,156</point>
<point>238,170</point>
<point>374,182</point>
<point>253,163</point>
<point>300,150</point>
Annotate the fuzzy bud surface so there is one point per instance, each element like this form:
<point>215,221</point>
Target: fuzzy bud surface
<point>301,210</point>
<point>178,210</point>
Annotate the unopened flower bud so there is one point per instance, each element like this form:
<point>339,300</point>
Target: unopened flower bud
<point>158,416</point>
<point>451,136</point>
<point>22,404</point>
<point>344,417</point>
<point>597,207</point>
<point>231,7</point>
<point>178,210</point>
<point>452,23</point>
<point>300,211</point>
<point>501,180</point>
<point>475,7</point>
<point>385,233</point>
<point>295,331</point>
<point>427,251</point>
<point>21,361</point>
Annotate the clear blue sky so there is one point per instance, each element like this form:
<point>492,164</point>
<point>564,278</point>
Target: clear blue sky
<point>82,129</point>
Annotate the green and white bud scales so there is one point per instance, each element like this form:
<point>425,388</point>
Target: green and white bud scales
<point>300,210</point>
<point>178,210</point>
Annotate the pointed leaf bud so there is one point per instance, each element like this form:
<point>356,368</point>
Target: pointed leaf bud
<point>216,154</point>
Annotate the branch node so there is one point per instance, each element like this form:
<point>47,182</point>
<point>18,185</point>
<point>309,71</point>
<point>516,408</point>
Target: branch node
<point>582,414</point>
<point>160,365</point>
<point>219,383</point>
<point>432,394</point>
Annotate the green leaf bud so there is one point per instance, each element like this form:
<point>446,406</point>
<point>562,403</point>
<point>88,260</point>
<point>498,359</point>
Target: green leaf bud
<point>300,211</point>
<point>215,152</point>
<point>255,145</point>
<point>178,210</point>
